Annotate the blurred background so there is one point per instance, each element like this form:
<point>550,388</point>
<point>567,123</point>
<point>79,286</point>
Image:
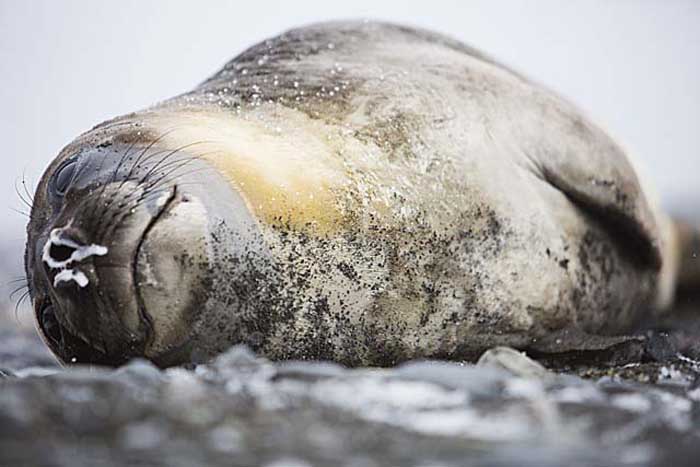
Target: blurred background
<point>633,66</point>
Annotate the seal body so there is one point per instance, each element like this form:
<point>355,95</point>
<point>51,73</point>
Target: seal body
<point>369,193</point>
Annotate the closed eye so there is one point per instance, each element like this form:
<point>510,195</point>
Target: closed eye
<point>64,177</point>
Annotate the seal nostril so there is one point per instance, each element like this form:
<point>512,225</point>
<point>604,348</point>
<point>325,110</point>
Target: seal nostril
<point>61,253</point>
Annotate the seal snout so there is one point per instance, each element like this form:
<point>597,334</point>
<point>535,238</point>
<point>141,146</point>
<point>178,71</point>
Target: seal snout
<point>93,312</point>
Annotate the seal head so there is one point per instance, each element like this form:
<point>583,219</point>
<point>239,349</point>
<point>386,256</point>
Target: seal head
<point>117,253</point>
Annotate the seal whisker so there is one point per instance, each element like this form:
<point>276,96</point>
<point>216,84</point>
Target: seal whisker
<point>170,163</point>
<point>170,153</point>
<point>137,161</point>
<point>122,161</point>
<point>174,174</point>
<point>20,301</point>
<point>25,201</point>
<point>27,192</point>
<point>175,151</point>
<point>148,178</point>
<point>145,151</point>
<point>165,181</point>
<point>115,174</point>
<point>125,209</point>
<point>23,213</point>
<point>174,168</point>
<point>142,157</point>
<point>179,164</point>
<point>186,159</point>
<point>156,141</point>
<point>99,169</point>
<point>18,289</point>
<point>140,181</point>
<point>18,280</point>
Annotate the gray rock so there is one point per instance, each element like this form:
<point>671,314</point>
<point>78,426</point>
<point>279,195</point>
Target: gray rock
<point>242,410</point>
<point>514,362</point>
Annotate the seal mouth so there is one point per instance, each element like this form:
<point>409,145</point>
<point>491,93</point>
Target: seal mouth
<point>71,347</point>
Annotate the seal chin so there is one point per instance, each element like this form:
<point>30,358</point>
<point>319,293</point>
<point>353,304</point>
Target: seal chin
<point>170,274</point>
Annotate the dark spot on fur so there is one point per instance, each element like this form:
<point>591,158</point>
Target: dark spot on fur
<point>398,135</point>
<point>347,270</point>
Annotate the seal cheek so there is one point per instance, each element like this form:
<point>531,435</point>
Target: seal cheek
<point>172,263</point>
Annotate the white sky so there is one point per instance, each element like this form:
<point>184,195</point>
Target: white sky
<point>634,66</point>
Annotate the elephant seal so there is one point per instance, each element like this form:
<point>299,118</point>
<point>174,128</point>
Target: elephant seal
<point>354,191</point>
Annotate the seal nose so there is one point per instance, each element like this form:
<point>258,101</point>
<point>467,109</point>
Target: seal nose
<point>64,251</point>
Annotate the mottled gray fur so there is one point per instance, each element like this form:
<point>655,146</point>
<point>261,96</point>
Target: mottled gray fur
<point>482,210</point>
<point>509,215</point>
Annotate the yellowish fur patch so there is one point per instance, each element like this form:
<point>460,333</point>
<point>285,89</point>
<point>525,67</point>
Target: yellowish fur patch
<point>284,165</point>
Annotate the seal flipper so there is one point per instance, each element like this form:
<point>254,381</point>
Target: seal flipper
<point>580,160</point>
<point>574,347</point>
<point>617,201</point>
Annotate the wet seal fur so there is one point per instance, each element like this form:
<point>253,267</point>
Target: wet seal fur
<point>360,192</point>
